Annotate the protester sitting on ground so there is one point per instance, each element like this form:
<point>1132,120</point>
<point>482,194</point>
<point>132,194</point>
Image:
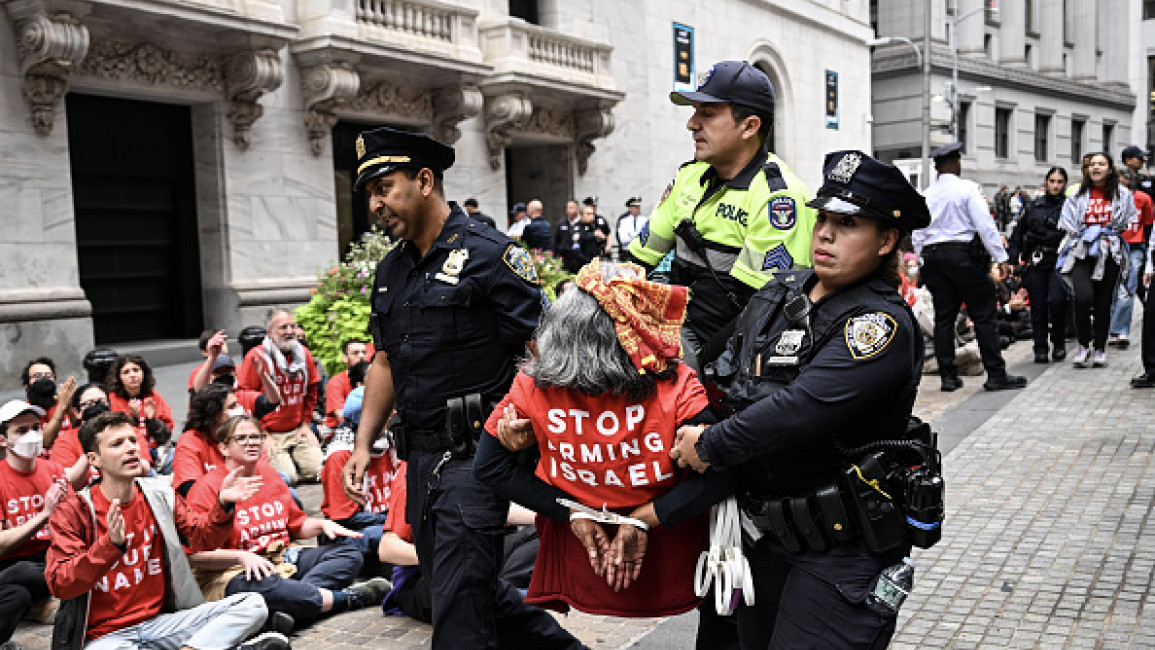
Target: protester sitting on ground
<point>353,351</point>
<point>88,402</point>
<point>610,350</point>
<point>304,583</point>
<point>39,379</point>
<point>367,513</point>
<point>203,373</point>
<point>197,452</point>
<point>30,489</point>
<point>296,450</point>
<point>410,595</point>
<point>131,389</point>
<point>117,557</point>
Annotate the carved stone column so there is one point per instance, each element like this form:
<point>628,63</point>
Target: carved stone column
<point>504,113</point>
<point>327,86</point>
<point>451,106</point>
<point>248,76</point>
<point>589,125</point>
<point>48,46</point>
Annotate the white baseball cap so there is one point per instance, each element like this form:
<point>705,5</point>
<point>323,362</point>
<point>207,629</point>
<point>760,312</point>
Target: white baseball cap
<point>13,408</point>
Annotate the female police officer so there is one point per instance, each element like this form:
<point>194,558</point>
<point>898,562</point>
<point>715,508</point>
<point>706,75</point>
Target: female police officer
<point>821,362</point>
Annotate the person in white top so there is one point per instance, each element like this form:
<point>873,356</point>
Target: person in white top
<point>956,268</point>
<point>630,224</point>
<point>517,221</point>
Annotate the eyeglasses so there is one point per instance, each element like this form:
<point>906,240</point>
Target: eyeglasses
<point>41,375</point>
<point>256,438</point>
<point>91,402</point>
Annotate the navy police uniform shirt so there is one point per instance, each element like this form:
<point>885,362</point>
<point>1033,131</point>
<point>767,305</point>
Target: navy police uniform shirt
<point>455,321</point>
<point>852,387</point>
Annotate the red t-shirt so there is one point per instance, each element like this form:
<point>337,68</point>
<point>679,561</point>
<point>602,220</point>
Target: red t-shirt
<point>395,521</point>
<point>263,518</point>
<point>298,393</point>
<point>132,590</point>
<point>379,478</point>
<point>65,423</point>
<point>22,497</point>
<point>163,412</point>
<point>67,450</point>
<point>195,455</point>
<point>336,392</point>
<point>1143,217</point>
<point>607,450</point>
<point>1098,209</point>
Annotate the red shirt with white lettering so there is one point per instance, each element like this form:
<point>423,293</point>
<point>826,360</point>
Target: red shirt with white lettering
<point>1098,209</point>
<point>395,521</point>
<point>607,450</point>
<point>298,392</point>
<point>379,478</point>
<point>267,516</point>
<point>1143,217</point>
<point>22,497</point>
<point>195,455</point>
<point>132,591</point>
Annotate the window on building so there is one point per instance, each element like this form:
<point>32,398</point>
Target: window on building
<point>1077,128</point>
<point>1148,9</point>
<point>1108,137</point>
<point>1027,52</point>
<point>1042,136</point>
<point>964,115</point>
<point>1151,87</point>
<point>1003,132</point>
<point>525,10</point>
<point>987,44</point>
<point>1029,9</point>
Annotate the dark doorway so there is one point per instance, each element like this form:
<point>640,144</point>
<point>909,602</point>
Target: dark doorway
<point>540,171</point>
<point>136,226</point>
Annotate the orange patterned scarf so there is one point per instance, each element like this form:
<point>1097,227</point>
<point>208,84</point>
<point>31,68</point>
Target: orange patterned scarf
<point>647,316</point>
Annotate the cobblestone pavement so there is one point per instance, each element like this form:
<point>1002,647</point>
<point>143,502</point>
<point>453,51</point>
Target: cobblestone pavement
<point>1047,538</point>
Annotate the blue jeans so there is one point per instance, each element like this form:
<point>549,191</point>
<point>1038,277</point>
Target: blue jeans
<point>369,524</point>
<point>1125,299</point>
<point>329,567</point>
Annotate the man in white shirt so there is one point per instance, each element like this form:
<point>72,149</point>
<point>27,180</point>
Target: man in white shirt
<point>630,224</point>
<point>956,271</point>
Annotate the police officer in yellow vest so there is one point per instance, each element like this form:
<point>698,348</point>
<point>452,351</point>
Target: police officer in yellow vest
<point>734,215</point>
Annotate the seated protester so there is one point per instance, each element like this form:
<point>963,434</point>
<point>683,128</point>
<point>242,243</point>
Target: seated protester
<point>116,557</point>
<point>297,451</point>
<point>609,350</point>
<point>130,386</point>
<point>305,583</point>
<point>197,452</point>
<point>39,379</point>
<point>202,374</point>
<point>30,488</point>
<point>353,352</point>
<point>366,515</point>
<point>410,595</point>
<point>88,402</point>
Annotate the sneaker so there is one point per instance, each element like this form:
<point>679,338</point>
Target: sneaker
<point>1100,359</point>
<point>266,641</point>
<point>369,593</point>
<point>1080,360</point>
<point>279,622</point>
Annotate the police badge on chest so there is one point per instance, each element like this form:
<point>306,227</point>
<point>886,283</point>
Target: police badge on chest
<point>786,350</point>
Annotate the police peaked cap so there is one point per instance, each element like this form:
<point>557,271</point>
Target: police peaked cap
<point>731,82</point>
<point>947,152</point>
<point>856,184</point>
<point>384,150</point>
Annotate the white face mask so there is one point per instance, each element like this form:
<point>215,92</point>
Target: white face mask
<point>29,445</point>
<point>232,413</point>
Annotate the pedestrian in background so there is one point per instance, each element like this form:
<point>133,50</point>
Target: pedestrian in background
<point>629,225</point>
<point>1035,244</point>
<point>1095,255</point>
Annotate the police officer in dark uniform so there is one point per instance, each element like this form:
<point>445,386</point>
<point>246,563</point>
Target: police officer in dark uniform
<point>822,363</point>
<point>453,305</point>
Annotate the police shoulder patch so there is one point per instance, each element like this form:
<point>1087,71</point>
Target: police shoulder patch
<point>519,261</point>
<point>666,194</point>
<point>869,334</point>
<point>783,212</point>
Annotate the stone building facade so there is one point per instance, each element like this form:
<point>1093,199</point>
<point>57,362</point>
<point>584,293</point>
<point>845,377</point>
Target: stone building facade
<point>1040,83</point>
<point>167,165</point>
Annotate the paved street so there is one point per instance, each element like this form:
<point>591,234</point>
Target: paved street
<point>1048,501</point>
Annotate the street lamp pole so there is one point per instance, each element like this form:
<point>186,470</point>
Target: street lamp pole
<point>924,66</point>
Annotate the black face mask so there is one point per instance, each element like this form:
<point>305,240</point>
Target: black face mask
<point>42,393</point>
<point>94,410</point>
<point>225,380</point>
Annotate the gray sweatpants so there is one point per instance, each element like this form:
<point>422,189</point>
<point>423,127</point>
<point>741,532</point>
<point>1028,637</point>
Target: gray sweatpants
<point>212,626</point>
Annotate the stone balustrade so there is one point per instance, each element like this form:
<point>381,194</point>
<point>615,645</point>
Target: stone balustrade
<point>515,47</point>
<point>414,17</point>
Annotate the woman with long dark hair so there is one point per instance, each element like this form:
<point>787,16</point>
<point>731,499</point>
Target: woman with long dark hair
<point>130,385</point>
<point>1035,243</point>
<point>1095,254</point>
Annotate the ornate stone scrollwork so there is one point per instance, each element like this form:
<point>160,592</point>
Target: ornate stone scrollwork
<point>503,114</point>
<point>390,98</point>
<point>48,47</point>
<point>451,106</point>
<point>144,63</point>
<point>589,125</point>
<point>551,121</point>
<point>326,86</point>
<point>249,75</point>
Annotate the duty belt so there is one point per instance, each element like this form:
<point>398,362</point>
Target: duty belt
<point>944,246</point>
<point>464,419</point>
